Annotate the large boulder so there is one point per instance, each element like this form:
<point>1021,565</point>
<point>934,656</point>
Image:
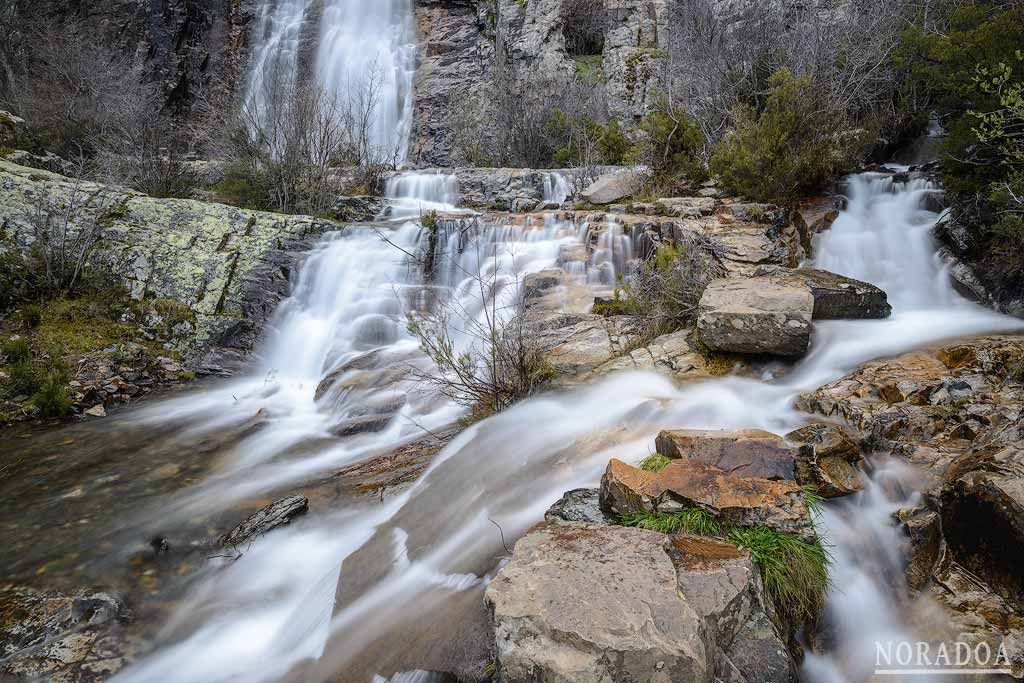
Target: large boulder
<point>612,187</point>
<point>835,296</point>
<point>670,609</point>
<point>735,500</point>
<point>744,452</point>
<point>757,316</point>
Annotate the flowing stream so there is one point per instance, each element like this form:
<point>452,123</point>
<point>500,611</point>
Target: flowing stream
<point>385,587</point>
<point>389,589</point>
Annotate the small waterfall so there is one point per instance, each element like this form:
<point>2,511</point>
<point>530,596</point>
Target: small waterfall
<point>556,188</point>
<point>613,258</point>
<point>413,194</point>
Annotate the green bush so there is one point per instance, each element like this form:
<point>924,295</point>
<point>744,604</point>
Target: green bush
<point>31,315</point>
<point>24,380</point>
<point>52,398</point>
<point>794,572</point>
<point>244,188</point>
<point>790,148</point>
<point>672,145</point>
<point>16,351</point>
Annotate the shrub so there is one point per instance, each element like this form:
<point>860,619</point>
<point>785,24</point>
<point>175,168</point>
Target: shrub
<point>672,145</point>
<point>31,315</point>
<point>52,398</point>
<point>16,351</point>
<point>24,380</point>
<point>790,148</point>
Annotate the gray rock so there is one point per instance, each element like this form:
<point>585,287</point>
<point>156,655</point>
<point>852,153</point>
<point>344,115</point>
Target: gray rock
<point>756,316</point>
<point>669,609</point>
<point>579,505</point>
<point>835,296</point>
<point>612,187</point>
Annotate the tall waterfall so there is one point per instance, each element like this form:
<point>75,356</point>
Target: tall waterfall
<point>365,55</point>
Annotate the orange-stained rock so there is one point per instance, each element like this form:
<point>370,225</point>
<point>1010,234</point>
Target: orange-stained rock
<point>734,499</point>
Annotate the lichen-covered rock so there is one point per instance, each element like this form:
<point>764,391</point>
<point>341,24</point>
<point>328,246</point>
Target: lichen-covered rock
<point>669,609</point>
<point>230,266</point>
<point>734,499</point>
<point>754,316</point>
<point>743,452</point>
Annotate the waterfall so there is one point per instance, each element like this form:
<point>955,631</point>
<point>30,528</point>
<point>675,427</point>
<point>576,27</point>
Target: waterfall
<point>396,578</point>
<point>365,55</point>
<point>556,188</point>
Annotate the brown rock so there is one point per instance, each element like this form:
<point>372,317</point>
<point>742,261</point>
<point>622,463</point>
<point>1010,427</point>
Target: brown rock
<point>745,452</point>
<point>736,500</point>
<point>827,459</point>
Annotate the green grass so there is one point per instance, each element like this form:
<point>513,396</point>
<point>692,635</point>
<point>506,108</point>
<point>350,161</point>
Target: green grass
<point>655,462</point>
<point>688,520</point>
<point>794,572</point>
<point>16,351</point>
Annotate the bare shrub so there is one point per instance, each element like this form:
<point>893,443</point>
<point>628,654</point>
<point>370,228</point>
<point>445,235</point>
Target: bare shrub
<point>665,291</point>
<point>479,343</point>
<point>286,141</point>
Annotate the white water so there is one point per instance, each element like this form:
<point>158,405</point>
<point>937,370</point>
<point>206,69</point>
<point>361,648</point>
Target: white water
<point>556,189</point>
<point>414,566</point>
<point>369,49</point>
<point>365,54</point>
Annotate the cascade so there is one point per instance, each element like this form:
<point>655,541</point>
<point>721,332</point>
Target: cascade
<point>377,590</point>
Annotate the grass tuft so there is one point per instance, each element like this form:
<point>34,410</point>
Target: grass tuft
<point>655,462</point>
<point>794,572</point>
<point>688,520</point>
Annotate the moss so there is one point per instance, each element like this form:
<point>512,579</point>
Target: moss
<point>186,375</point>
<point>81,325</point>
<point>655,462</point>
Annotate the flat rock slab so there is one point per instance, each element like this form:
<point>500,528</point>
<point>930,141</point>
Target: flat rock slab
<point>835,296</point>
<point>744,452</point>
<point>580,603</point>
<point>612,187</point>
<point>735,500</point>
<point>756,316</point>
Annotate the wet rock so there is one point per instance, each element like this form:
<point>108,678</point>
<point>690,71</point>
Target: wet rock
<point>923,548</point>
<point>62,637</point>
<point>357,209</point>
<point>744,452</point>
<point>612,187</point>
<point>736,500</point>
<point>279,513</point>
<point>579,505</point>
<point>743,315</point>
<point>827,459</point>
<point>835,296</point>
<point>671,609</point>
<point>96,411</point>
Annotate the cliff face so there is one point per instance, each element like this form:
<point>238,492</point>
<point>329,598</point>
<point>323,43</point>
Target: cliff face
<point>185,46</point>
<point>472,47</point>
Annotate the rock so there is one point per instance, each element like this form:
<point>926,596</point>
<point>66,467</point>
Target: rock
<point>97,411</point>
<point>671,609</point>
<point>279,513</point>
<point>736,500</point>
<point>687,207</point>
<point>742,315</point>
<point>827,459</point>
<point>835,296</point>
<point>745,452</point>
<point>923,550</point>
<point>612,187</point>
<point>579,505</point>
<point>357,209</point>
<point>229,266</point>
